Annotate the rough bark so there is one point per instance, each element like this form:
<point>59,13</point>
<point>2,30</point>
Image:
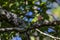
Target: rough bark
<point>10,17</point>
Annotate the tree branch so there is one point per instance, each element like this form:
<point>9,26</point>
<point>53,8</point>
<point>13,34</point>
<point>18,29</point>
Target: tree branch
<point>47,34</point>
<point>54,23</point>
<point>10,17</point>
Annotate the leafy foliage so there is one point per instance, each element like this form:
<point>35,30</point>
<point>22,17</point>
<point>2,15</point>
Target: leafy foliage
<point>28,11</point>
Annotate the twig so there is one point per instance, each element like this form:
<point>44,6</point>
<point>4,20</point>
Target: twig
<point>47,34</point>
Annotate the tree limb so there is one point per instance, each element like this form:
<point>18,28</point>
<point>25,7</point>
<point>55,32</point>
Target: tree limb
<point>10,17</point>
<point>54,23</point>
